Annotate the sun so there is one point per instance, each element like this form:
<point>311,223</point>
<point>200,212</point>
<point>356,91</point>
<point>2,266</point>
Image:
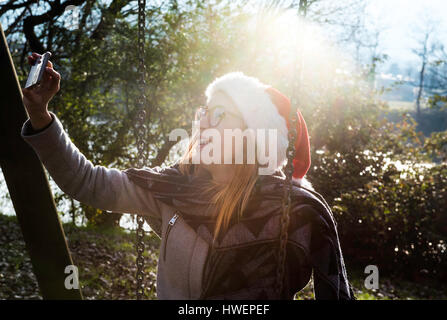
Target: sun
<point>295,48</point>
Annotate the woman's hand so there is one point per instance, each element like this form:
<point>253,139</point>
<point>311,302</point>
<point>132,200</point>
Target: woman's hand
<point>37,97</point>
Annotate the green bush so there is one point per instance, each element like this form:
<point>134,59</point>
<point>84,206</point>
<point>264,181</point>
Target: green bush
<point>398,221</point>
<point>387,195</point>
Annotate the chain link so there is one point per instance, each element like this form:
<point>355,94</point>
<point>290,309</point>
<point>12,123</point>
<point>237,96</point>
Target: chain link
<point>140,136</point>
<point>286,205</point>
<point>141,147</point>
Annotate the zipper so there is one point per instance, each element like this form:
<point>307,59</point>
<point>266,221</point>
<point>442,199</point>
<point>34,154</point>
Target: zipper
<point>168,230</point>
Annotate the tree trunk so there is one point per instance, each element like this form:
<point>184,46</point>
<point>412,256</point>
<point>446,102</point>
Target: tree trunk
<point>420,88</point>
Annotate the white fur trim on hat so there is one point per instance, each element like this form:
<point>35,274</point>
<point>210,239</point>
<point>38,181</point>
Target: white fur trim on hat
<point>304,183</point>
<point>255,105</point>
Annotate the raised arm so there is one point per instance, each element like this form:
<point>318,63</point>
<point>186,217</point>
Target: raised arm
<point>98,186</point>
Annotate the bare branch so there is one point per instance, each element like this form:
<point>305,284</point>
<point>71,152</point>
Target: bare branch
<point>107,18</point>
<point>11,6</point>
<point>30,22</point>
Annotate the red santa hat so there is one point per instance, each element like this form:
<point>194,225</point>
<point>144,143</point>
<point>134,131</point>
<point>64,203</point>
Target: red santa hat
<point>264,107</point>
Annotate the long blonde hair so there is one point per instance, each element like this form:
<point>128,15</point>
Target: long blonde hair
<point>229,199</point>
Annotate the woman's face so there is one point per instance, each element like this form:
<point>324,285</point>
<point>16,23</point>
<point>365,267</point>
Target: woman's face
<point>223,114</point>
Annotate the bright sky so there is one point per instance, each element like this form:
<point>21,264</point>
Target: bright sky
<point>400,17</point>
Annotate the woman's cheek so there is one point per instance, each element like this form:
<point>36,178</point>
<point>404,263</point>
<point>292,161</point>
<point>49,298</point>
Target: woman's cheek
<point>225,147</point>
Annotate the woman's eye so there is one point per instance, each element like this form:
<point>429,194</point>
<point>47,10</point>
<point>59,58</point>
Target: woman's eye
<point>219,113</point>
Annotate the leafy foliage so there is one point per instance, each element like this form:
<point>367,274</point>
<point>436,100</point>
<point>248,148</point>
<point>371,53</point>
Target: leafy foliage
<point>388,197</point>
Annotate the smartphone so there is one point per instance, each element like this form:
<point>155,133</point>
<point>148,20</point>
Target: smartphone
<point>37,70</point>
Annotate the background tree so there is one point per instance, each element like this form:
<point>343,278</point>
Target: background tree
<point>424,51</point>
<point>436,84</point>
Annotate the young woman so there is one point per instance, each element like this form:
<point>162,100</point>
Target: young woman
<point>219,218</point>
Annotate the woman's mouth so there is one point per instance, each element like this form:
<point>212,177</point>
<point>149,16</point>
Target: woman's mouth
<point>204,142</point>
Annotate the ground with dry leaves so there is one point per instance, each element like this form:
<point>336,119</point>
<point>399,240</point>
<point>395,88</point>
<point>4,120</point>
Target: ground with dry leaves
<point>106,262</point>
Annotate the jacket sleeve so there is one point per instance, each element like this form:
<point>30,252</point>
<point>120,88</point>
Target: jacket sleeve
<point>313,230</point>
<point>329,273</point>
<point>98,186</point>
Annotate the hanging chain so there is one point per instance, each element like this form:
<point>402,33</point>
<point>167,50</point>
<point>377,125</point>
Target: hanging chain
<point>140,136</point>
<point>287,198</point>
<point>286,204</point>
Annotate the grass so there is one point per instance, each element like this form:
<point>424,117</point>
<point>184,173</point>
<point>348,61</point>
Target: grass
<point>389,289</point>
<point>401,105</point>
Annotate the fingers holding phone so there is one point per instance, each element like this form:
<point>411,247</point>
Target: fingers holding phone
<point>42,87</point>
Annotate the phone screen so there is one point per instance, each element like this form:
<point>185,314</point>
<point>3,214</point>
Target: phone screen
<point>36,73</point>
